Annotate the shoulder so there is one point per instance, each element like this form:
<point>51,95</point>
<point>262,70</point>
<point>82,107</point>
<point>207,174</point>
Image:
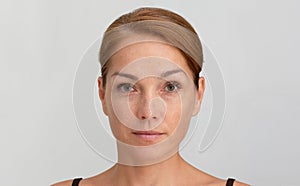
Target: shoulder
<point>237,183</point>
<point>83,182</point>
<point>88,181</point>
<point>63,183</point>
<point>210,180</point>
<point>218,182</point>
<point>198,177</point>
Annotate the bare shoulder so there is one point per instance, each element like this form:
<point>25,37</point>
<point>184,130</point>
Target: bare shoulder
<point>63,183</point>
<point>199,177</point>
<point>84,182</point>
<point>210,180</point>
<point>89,181</point>
<point>218,182</point>
<point>237,183</point>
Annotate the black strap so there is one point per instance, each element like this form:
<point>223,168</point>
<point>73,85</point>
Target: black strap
<point>76,181</point>
<point>230,182</point>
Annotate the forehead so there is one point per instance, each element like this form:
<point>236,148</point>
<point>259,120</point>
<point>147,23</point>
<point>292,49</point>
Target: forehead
<point>136,51</point>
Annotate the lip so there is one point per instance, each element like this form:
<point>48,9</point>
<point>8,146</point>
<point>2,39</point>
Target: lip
<point>148,135</point>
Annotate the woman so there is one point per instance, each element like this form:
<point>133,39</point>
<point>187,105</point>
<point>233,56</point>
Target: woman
<point>150,88</point>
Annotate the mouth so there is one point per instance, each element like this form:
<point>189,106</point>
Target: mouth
<point>149,136</point>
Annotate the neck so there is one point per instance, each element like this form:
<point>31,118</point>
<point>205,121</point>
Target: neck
<point>163,172</point>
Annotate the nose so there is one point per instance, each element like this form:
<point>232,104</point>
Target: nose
<point>145,104</point>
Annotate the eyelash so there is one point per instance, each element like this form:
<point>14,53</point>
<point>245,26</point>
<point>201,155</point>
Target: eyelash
<point>121,87</point>
<point>176,85</point>
<point>124,87</point>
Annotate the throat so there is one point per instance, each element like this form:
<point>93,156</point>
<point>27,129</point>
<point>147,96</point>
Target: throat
<point>164,172</point>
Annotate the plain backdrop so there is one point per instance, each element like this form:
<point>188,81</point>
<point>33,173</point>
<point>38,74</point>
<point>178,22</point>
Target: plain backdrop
<point>257,47</point>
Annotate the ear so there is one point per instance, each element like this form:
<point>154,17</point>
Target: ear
<point>101,91</point>
<point>199,96</point>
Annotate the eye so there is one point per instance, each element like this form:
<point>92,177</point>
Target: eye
<point>172,87</point>
<point>126,87</point>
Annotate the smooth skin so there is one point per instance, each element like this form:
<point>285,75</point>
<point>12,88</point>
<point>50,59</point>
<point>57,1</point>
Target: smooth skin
<point>174,171</point>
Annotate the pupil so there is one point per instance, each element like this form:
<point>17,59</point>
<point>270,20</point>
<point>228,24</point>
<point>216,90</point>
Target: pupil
<point>171,87</point>
<point>128,88</point>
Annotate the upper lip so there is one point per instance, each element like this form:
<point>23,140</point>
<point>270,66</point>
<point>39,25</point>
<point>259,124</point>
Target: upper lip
<point>147,132</point>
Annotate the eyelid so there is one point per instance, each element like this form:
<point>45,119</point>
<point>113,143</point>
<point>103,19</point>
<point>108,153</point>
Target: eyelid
<point>121,86</point>
<point>174,83</point>
<point>125,86</point>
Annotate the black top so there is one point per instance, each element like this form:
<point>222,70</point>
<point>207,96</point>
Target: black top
<point>230,182</point>
<point>77,180</point>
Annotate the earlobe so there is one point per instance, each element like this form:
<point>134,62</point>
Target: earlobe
<point>199,95</point>
<point>101,92</point>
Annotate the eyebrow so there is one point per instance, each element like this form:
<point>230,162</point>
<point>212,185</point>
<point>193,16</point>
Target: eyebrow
<point>168,73</point>
<point>125,75</point>
<point>164,74</point>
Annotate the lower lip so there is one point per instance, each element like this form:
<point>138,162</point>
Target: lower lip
<point>149,137</point>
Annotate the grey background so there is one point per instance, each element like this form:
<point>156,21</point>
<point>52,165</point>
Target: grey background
<point>255,42</point>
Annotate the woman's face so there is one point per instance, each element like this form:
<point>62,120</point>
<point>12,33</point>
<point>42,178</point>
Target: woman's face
<point>149,92</point>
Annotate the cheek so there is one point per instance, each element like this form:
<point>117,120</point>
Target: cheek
<point>179,110</point>
<point>174,113</point>
<point>111,102</point>
<point>119,131</point>
<point>114,125</point>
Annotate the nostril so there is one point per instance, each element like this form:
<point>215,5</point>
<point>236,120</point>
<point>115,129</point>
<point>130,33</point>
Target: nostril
<point>144,117</point>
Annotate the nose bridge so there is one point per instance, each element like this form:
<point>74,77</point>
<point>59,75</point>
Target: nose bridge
<point>148,93</point>
<point>148,88</point>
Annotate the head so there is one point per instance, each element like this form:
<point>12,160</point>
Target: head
<point>150,82</point>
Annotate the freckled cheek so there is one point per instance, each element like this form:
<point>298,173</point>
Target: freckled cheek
<point>119,131</point>
<point>110,109</point>
<point>133,103</point>
<point>173,115</point>
<point>114,122</point>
